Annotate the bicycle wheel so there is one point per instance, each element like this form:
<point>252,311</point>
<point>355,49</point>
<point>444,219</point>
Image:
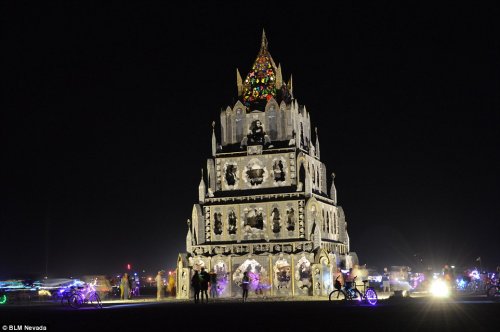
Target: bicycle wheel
<point>337,295</point>
<point>95,300</point>
<point>75,301</point>
<point>65,298</point>
<point>493,293</point>
<point>371,296</point>
<point>356,295</point>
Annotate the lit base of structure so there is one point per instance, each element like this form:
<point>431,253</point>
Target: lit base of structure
<point>271,274</point>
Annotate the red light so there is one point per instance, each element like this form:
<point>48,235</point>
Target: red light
<point>128,266</point>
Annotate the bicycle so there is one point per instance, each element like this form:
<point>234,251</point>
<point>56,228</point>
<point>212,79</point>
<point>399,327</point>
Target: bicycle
<point>493,292</point>
<point>369,295</point>
<point>65,294</point>
<point>85,295</point>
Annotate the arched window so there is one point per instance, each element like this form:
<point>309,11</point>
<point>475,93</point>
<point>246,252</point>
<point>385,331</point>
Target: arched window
<point>328,222</point>
<point>323,222</point>
<point>335,224</point>
<point>302,177</point>
<point>229,129</point>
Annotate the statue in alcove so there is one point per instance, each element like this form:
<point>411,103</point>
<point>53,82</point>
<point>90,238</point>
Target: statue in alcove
<point>231,174</point>
<point>232,222</point>
<point>259,219</point>
<point>255,173</point>
<point>256,135</point>
<point>276,220</point>
<point>217,223</point>
<point>290,221</point>
<point>254,219</point>
<point>279,173</point>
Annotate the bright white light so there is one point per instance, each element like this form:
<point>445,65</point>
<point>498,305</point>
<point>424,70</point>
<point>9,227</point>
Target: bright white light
<point>440,289</point>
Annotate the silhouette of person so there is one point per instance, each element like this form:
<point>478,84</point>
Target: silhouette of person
<point>196,284</point>
<point>204,280</point>
<point>245,284</point>
<point>213,284</point>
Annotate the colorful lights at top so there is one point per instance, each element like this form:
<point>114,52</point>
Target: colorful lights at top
<point>260,83</point>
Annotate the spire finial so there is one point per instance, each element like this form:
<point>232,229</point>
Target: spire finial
<point>201,189</point>
<point>263,44</point>
<point>214,141</point>
<point>317,142</point>
<point>239,82</point>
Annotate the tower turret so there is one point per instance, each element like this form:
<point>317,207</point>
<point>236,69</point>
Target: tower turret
<point>202,189</point>
<point>239,83</point>
<point>333,190</point>
<point>214,141</point>
<point>317,143</point>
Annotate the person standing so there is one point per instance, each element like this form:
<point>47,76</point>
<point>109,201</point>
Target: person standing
<point>124,287</point>
<point>171,284</point>
<point>159,286</point>
<point>213,284</point>
<point>245,283</point>
<point>386,280</point>
<point>339,277</point>
<point>134,289</point>
<point>204,280</point>
<point>129,295</point>
<point>196,284</point>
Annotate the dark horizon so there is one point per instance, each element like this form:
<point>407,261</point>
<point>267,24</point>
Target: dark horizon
<point>108,112</point>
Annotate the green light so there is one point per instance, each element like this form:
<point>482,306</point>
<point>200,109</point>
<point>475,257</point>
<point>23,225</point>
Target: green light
<point>3,299</point>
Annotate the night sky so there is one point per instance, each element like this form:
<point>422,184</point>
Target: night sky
<point>107,111</point>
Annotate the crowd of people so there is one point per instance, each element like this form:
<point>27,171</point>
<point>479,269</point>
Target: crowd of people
<point>200,282</point>
<point>130,285</point>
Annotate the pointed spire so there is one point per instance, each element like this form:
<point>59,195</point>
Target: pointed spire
<point>333,190</point>
<point>290,84</point>
<point>279,77</point>
<point>239,82</point>
<point>214,141</point>
<point>201,189</point>
<point>189,237</point>
<point>263,43</point>
<point>317,142</point>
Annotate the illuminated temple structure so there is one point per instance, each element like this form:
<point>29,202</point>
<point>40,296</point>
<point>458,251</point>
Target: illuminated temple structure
<point>264,202</point>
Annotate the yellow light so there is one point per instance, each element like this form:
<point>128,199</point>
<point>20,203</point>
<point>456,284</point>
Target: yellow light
<point>440,289</point>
